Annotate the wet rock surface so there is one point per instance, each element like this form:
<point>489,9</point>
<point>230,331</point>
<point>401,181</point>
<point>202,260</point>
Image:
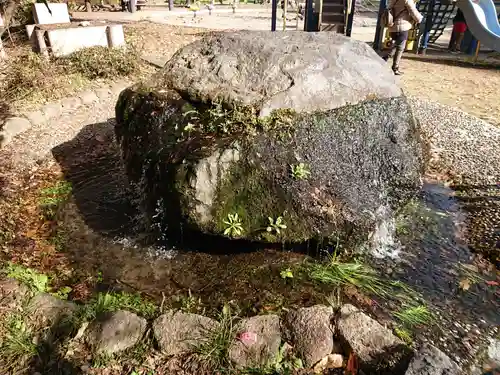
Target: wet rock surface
<point>376,346</point>
<point>310,332</point>
<point>429,360</point>
<point>178,332</point>
<point>258,341</point>
<point>197,148</point>
<point>116,332</point>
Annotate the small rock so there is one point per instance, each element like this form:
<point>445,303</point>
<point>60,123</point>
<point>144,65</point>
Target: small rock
<point>310,331</point>
<point>494,351</point>
<point>88,97</point>
<point>48,310</point>
<point>12,127</point>
<point>71,103</point>
<point>262,347</point>
<point>52,110</point>
<point>36,117</point>
<point>177,332</point>
<point>103,93</point>
<point>116,332</point>
<point>429,360</point>
<point>374,345</point>
<point>331,361</point>
<point>12,294</point>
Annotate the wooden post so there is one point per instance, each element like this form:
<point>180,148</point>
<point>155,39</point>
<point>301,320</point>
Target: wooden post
<point>42,46</point>
<point>476,54</point>
<point>3,55</point>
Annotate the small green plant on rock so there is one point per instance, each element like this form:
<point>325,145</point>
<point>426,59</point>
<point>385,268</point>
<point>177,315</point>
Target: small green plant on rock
<point>404,334</point>
<point>276,226</point>
<point>300,171</point>
<point>234,227</point>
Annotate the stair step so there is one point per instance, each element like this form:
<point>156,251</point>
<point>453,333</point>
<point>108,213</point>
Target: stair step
<point>332,18</point>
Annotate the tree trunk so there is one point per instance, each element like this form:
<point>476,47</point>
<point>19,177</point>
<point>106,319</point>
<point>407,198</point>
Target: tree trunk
<point>88,6</point>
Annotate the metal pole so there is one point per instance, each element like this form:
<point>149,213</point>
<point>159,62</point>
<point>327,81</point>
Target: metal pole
<point>274,14</point>
<point>284,14</point>
<point>377,43</point>
<point>350,18</point>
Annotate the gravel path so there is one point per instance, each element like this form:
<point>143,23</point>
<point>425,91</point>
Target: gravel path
<point>463,148</point>
<point>92,107</point>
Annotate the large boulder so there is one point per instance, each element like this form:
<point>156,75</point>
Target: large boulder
<point>298,130</point>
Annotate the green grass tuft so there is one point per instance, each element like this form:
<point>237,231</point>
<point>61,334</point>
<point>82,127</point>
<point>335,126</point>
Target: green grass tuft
<point>357,274</point>
<point>214,351</point>
<point>414,316</point>
<point>17,347</point>
<point>114,301</point>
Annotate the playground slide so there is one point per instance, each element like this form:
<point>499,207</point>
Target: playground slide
<point>482,20</point>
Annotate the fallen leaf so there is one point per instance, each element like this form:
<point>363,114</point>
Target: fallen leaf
<point>464,284</point>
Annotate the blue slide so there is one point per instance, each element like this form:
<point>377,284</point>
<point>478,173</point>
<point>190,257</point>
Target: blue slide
<point>482,21</point>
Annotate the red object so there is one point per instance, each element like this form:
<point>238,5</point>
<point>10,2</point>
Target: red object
<point>460,27</point>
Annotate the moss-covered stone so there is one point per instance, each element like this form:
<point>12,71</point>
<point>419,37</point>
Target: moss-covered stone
<point>193,157</point>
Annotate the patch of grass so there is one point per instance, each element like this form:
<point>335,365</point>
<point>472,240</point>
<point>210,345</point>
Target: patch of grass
<point>214,351</point>
<point>102,62</point>
<point>339,274</point>
<point>101,360</point>
<point>284,364</point>
<point>114,301</point>
<point>34,280</point>
<point>300,171</point>
<point>17,347</point>
<point>59,239</point>
<point>404,335</point>
<point>52,197</point>
<point>414,316</point>
<point>190,304</point>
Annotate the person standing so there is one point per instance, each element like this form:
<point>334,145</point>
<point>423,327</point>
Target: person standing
<point>459,29</point>
<point>405,14</point>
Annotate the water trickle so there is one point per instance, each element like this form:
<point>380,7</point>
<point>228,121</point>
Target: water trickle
<point>383,242</point>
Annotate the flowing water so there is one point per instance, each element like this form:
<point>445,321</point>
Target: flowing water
<point>431,252</point>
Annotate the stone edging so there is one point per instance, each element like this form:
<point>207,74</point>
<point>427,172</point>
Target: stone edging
<point>321,337</point>
<point>22,122</point>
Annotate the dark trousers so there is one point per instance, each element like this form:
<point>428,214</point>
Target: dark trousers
<point>398,47</point>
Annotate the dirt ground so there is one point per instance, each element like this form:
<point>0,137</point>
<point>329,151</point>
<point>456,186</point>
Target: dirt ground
<point>473,89</point>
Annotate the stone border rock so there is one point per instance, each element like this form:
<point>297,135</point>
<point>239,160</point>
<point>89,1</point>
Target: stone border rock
<point>322,337</point>
<point>16,125</point>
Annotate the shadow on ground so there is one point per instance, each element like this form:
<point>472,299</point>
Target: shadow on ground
<point>100,225</point>
<point>453,60</point>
